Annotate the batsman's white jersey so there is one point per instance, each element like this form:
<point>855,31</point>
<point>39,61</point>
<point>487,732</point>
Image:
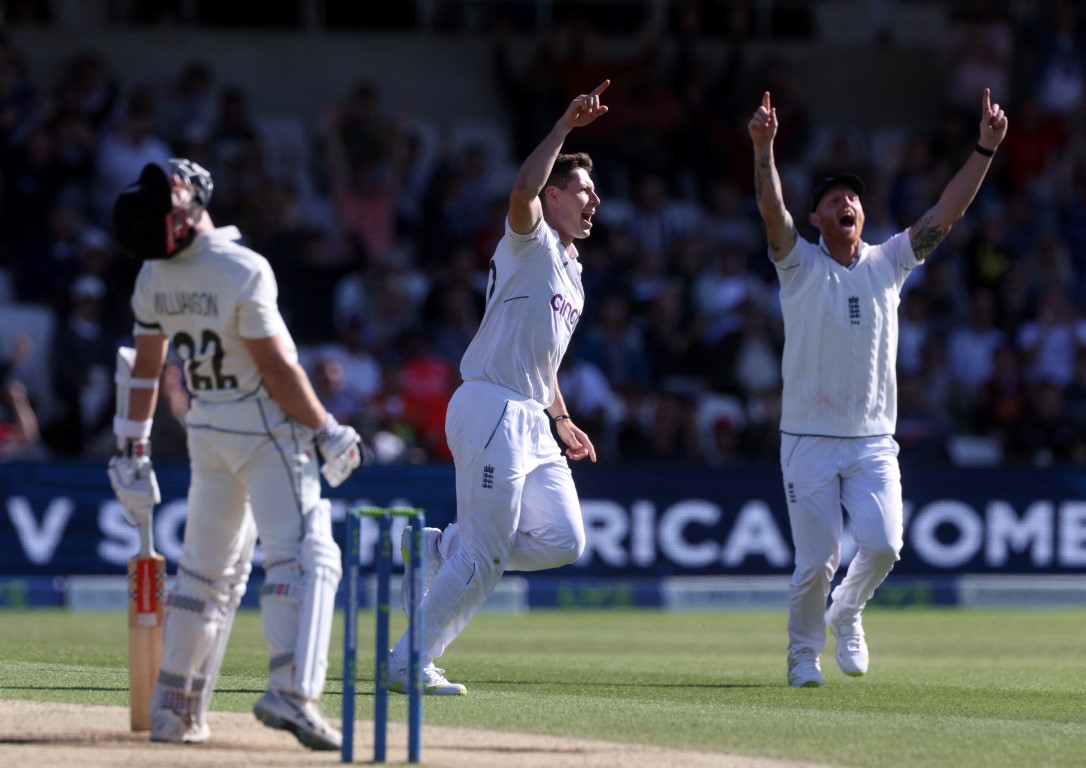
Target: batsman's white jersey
<point>247,458</point>
<point>207,300</point>
<point>840,343</point>
<point>516,503</point>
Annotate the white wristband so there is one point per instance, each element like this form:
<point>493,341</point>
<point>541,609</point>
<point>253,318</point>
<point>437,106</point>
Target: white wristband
<point>133,383</point>
<point>131,429</point>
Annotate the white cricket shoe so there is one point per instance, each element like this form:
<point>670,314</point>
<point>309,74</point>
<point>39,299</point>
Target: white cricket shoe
<point>287,712</point>
<point>431,562</point>
<point>851,645</point>
<point>174,728</point>
<point>804,670</point>
<point>433,681</point>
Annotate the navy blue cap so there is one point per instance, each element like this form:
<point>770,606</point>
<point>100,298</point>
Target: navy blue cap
<point>852,181</point>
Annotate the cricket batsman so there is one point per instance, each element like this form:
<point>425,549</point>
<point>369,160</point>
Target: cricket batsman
<point>255,429</point>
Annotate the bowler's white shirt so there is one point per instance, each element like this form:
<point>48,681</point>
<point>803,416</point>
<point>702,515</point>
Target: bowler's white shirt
<point>534,301</point>
<point>841,334</point>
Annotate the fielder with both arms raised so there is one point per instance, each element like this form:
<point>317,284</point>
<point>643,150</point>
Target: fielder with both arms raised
<point>839,409</point>
<point>255,427</point>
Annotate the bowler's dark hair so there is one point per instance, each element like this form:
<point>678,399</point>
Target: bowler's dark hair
<point>564,166</point>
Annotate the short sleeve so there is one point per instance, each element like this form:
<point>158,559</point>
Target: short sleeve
<point>143,311</point>
<point>258,308</point>
<point>903,250</point>
<point>519,244</point>
<point>899,249</point>
<point>793,269</point>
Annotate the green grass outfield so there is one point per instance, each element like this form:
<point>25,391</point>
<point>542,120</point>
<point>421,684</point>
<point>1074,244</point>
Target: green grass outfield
<point>957,688</point>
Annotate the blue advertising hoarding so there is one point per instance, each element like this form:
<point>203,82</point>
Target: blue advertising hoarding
<point>643,520</point>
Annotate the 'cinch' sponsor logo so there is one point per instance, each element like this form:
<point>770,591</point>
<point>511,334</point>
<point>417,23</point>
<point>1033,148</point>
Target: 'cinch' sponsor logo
<point>565,310</point>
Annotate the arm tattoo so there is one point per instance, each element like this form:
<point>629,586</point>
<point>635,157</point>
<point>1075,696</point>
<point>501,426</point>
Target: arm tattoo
<point>781,211</point>
<point>768,196</point>
<point>925,237</point>
<point>785,247</point>
<point>762,168</point>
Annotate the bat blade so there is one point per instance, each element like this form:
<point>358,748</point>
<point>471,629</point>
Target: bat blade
<point>146,609</point>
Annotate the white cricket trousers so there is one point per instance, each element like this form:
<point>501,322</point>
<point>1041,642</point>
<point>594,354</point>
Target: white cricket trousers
<point>248,451</point>
<point>822,475</point>
<point>516,507</point>
<point>251,463</point>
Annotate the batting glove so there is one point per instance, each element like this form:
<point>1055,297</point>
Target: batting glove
<point>134,483</point>
<point>341,449</point>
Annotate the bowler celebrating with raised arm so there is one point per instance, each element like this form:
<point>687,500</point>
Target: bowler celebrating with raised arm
<point>840,300</point>
<point>516,504</point>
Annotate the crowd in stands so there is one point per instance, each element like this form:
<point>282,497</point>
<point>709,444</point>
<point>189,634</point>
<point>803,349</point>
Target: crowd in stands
<point>380,237</point>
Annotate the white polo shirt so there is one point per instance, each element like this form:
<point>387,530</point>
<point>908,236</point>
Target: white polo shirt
<point>534,301</point>
<point>841,333</point>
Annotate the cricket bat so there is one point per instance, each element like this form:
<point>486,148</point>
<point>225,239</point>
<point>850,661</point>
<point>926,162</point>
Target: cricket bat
<point>146,608</point>
<point>146,589</point>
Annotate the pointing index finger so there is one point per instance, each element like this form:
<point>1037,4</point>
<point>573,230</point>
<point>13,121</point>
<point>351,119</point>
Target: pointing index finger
<point>987,102</point>
<point>765,101</point>
<point>600,88</point>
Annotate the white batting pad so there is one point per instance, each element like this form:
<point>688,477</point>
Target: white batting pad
<point>321,563</point>
<point>237,583</point>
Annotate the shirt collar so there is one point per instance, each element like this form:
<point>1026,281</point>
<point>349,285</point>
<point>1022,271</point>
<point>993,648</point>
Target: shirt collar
<point>223,233</point>
<point>219,233</point>
<point>855,260</point>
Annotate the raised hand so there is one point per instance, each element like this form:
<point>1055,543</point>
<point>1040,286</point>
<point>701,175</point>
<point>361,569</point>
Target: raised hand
<point>763,124</point>
<point>586,108</point>
<point>993,122</point>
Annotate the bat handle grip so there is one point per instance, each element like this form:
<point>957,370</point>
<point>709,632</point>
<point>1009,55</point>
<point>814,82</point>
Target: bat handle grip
<point>147,537</point>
